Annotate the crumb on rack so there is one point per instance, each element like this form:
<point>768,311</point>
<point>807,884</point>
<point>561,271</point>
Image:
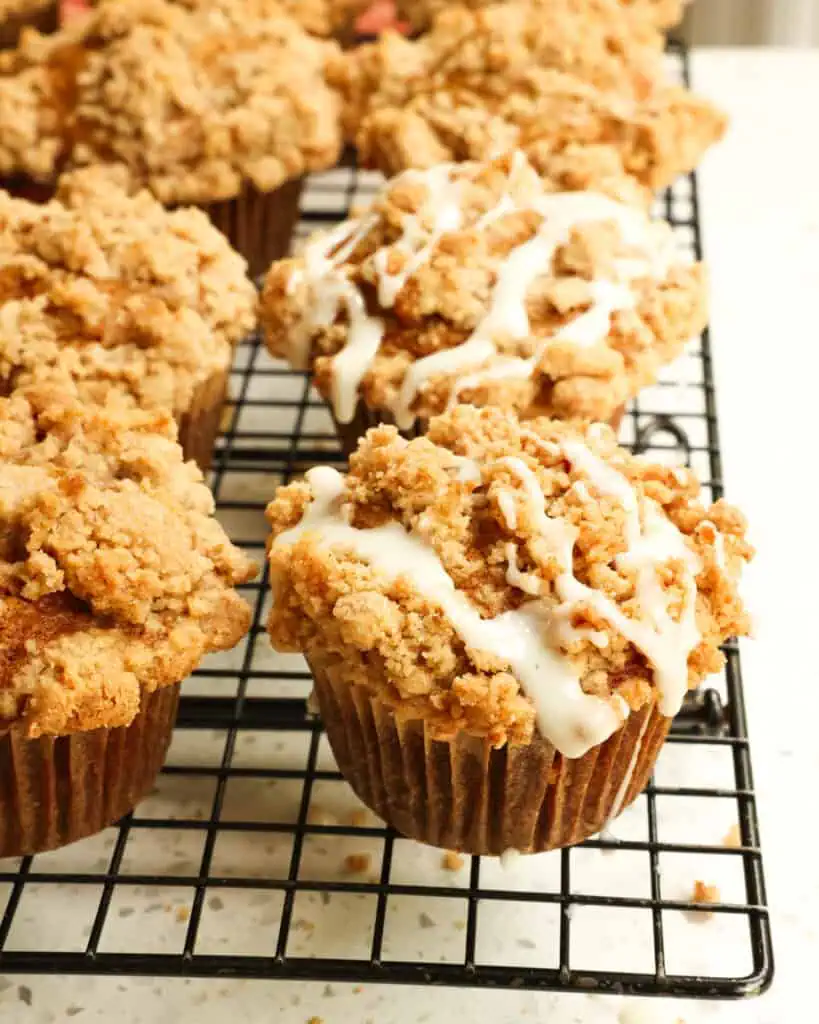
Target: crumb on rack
<point>360,818</point>
<point>357,863</point>
<point>318,815</point>
<point>452,861</point>
<point>704,893</point>
<point>732,837</point>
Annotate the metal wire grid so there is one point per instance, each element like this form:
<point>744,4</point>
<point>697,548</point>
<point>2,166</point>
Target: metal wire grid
<point>253,859</point>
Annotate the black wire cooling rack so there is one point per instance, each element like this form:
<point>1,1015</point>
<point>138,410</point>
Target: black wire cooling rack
<point>253,859</point>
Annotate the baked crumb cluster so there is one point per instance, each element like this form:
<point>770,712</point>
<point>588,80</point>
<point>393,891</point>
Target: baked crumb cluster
<point>642,18</point>
<point>461,492</point>
<point>104,292</point>
<point>14,8</point>
<point>192,102</point>
<point>114,577</point>
<point>318,17</point>
<point>485,283</point>
<point>517,75</point>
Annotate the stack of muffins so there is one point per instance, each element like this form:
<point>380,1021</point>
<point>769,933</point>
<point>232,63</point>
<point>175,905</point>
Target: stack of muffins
<point>502,609</point>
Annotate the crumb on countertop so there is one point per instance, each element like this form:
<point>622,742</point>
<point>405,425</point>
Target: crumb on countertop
<point>357,863</point>
<point>452,861</point>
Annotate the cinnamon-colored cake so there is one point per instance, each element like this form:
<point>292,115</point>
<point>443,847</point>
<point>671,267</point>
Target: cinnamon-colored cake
<point>103,293</point>
<point>501,619</point>
<point>16,15</point>
<point>645,19</point>
<point>323,18</point>
<point>517,75</point>
<point>224,106</point>
<point>486,283</point>
<point>114,582</point>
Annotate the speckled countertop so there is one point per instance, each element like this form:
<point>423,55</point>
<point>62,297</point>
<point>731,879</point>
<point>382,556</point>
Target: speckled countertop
<point>761,217</point>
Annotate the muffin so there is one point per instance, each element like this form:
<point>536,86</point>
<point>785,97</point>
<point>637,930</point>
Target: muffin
<point>643,18</point>
<point>104,293</point>
<point>486,283</point>
<point>517,75</point>
<point>222,107</point>
<point>502,619</point>
<point>114,582</point>
<point>15,15</point>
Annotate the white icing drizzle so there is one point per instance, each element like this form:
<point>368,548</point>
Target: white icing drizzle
<point>666,643</point>
<point>506,504</point>
<point>570,719</point>
<point>506,318</point>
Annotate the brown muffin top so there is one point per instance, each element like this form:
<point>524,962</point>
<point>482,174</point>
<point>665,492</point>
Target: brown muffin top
<point>114,577</point>
<point>515,75</point>
<point>101,292</point>
<point>496,575</point>
<point>640,18</point>
<point>488,284</point>
<point>193,102</point>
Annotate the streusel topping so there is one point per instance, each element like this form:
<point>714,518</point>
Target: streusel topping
<point>640,18</point>
<point>485,283</point>
<point>496,575</point>
<point>14,8</point>
<point>318,17</point>
<point>114,577</point>
<point>519,76</point>
<point>193,102</point>
<point>103,291</point>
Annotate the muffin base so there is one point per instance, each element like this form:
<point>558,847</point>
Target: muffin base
<point>55,790</point>
<point>259,225</point>
<point>46,20</point>
<point>199,424</point>
<point>349,434</point>
<point>465,795</point>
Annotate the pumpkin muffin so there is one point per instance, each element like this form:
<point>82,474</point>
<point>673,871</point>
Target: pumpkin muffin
<point>106,293</point>
<point>516,75</point>
<point>645,19</point>
<point>487,283</point>
<point>224,107</point>
<point>323,18</point>
<point>115,581</point>
<point>502,619</point>
<point>15,15</point>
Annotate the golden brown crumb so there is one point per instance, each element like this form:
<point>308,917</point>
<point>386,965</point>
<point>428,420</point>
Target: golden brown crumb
<point>388,637</point>
<point>316,1020</point>
<point>449,292</point>
<point>518,75</point>
<point>14,8</point>
<point>357,863</point>
<point>114,577</point>
<point>183,913</point>
<point>705,894</point>
<point>192,102</point>
<point>318,17</point>
<point>360,819</point>
<point>317,815</point>
<point>452,861</point>
<point>102,292</point>
<point>732,837</point>
<point>641,18</point>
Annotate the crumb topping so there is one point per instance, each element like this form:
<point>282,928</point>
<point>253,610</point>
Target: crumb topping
<point>517,75</point>
<point>192,102</point>
<point>487,284</point>
<point>545,534</point>
<point>318,17</point>
<point>640,18</point>
<point>114,577</point>
<point>14,8</point>
<point>101,292</point>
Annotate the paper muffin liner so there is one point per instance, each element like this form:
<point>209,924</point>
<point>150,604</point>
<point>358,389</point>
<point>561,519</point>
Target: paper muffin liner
<point>45,20</point>
<point>56,790</point>
<point>259,225</point>
<point>462,794</point>
<point>199,425</point>
<point>349,434</point>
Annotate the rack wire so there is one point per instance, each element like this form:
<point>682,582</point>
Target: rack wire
<point>253,859</point>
